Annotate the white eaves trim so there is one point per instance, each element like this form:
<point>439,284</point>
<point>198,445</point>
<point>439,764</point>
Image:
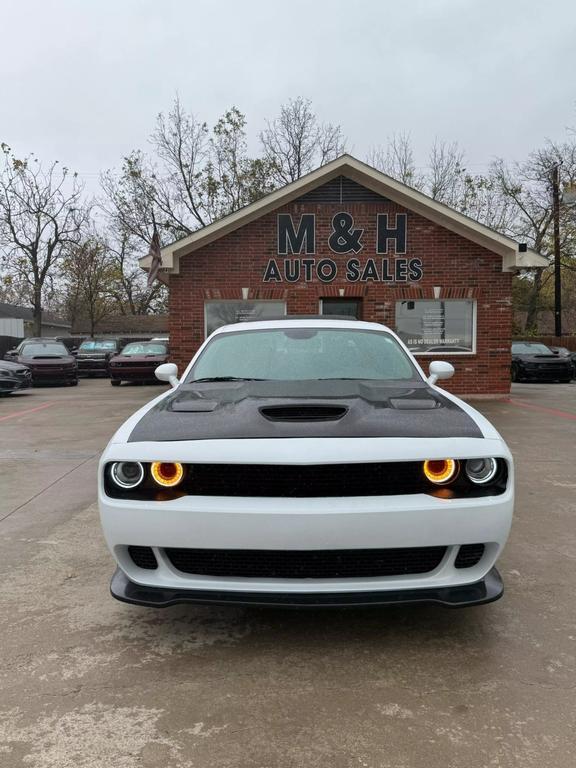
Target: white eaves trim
<point>369,177</point>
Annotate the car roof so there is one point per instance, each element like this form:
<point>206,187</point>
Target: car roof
<point>315,322</point>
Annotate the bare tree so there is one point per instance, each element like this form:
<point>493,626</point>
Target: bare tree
<point>41,217</point>
<point>527,188</point>
<point>194,176</point>
<point>232,178</point>
<point>295,142</point>
<point>396,159</point>
<point>446,172</point>
<point>128,288</point>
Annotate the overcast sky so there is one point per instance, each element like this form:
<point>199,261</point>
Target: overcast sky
<point>81,81</point>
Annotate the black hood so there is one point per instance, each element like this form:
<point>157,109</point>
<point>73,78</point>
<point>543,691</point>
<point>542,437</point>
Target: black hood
<point>283,409</point>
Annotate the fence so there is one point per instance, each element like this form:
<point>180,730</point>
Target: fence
<point>552,341</point>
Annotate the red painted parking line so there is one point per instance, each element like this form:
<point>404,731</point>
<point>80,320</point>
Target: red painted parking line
<point>26,412</point>
<point>553,411</point>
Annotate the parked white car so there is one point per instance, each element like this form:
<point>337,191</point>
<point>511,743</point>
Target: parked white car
<point>306,462</point>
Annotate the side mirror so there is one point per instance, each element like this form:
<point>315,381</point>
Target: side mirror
<point>10,353</point>
<point>440,370</point>
<point>168,372</point>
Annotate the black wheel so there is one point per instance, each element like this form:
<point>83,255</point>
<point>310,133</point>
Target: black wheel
<point>115,382</point>
<point>74,383</point>
<point>514,373</point>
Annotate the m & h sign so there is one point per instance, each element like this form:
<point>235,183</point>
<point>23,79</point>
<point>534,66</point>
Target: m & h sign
<point>344,239</point>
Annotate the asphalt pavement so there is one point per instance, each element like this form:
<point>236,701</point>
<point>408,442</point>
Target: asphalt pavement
<point>87,682</point>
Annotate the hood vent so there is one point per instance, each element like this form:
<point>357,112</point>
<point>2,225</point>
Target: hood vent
<point>303,412</point>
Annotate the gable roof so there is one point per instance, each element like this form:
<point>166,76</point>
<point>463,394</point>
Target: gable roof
<point>372,179</point>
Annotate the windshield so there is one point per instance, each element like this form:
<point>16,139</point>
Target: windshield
<point>143,348</point>
<point>97,346</point>
<point>297,354</point>
<point>42,350</point>
<point>527,348</point>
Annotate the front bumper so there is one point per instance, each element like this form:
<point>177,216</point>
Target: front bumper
<point>487,590</point>
<point>545,374</point>
<point>15,384</point>
<point>53,376</point>
<point>313,523</point>
<point>92,367</point>
<point>133,374</point>
<point>307,524</point>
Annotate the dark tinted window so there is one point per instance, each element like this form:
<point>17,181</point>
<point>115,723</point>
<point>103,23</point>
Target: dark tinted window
<point>530,348</point>
<point>144,348</point>
<point>37,348</point>
<point>97,346</point>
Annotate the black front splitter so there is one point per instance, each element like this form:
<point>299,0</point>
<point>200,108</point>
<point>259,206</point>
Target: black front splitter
<point>487,590</point>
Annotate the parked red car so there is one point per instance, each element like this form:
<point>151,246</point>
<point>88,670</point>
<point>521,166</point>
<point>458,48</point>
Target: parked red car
<point>137,362</point>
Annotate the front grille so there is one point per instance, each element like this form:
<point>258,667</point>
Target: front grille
<point>135,364</point>
<point>294,481</point>
<point>143,557</point>
<point>308,564</point>
<point>469,555</point>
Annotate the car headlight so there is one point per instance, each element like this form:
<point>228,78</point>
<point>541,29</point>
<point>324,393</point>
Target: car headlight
<point>127,474</point>
<point>441,471</point>
<point>481,471</point>
<point>167,473</point>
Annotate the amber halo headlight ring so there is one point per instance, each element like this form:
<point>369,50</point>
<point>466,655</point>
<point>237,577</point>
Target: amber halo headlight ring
<point>127,474</point>
<point>481,471</point>
<point>441,471</point>
<point>167,473</point>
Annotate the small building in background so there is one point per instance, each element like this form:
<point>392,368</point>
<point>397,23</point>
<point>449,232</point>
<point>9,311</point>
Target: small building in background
<point>18,322</point>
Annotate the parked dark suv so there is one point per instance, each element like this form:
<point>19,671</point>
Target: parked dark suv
<point>93,356</point>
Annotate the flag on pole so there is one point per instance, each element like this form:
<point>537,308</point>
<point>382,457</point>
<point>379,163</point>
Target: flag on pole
<point>156,256</point>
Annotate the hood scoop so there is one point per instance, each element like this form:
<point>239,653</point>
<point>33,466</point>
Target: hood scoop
<point>193,406</point>
<point>414,404</point>
<point>303,412</point>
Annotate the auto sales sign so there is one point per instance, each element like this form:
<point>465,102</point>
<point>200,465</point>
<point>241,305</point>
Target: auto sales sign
<point>297,248</point>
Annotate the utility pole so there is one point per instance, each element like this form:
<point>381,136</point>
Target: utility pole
<point>557,271</point>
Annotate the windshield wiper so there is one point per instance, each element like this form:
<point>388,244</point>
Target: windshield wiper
<point>223,378</point>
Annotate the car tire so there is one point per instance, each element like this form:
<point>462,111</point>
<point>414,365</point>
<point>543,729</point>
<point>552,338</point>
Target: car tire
<point>514,373</point>
<point>74,383</point>
<point>115,382</point>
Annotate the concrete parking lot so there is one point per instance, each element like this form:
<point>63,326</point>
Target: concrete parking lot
<point>90,682</point>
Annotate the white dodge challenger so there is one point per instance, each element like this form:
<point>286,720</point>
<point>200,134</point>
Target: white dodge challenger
<point>306,462</point>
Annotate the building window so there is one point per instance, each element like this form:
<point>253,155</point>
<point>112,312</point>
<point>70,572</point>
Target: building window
<point>219,313</point>
<point>429,327</point>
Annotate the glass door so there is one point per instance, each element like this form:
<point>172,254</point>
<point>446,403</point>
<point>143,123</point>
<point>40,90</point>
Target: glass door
<point>342,307</point>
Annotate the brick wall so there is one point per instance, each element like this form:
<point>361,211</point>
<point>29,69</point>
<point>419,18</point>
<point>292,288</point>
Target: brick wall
<point>458,266</point>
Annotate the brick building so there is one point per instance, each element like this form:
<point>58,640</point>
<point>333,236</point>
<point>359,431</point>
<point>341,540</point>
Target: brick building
<point>349,240</point>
